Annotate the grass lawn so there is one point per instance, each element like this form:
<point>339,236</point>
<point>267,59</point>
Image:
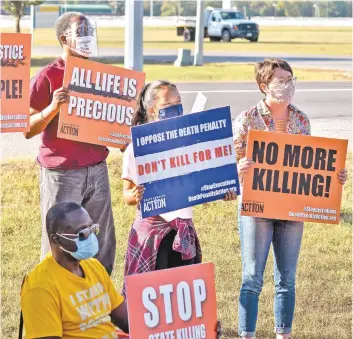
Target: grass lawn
<point>289,40</point>
<point>216,72</point>
<point>324,274</point>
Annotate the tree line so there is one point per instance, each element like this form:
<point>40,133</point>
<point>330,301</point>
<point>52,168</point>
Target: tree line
<point>260,8</point>
<point>252,8</point>
<point>330,9</point>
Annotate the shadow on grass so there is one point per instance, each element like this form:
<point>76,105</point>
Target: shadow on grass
<point>346,217</point>
<point>41,62</point>
<point>230,333</point>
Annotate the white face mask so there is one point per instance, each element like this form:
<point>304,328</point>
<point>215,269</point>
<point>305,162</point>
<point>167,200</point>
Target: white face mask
<point>84,45</point>
<point>281,92</point>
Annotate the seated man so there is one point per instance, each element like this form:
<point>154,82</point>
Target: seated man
<point>69,294</point>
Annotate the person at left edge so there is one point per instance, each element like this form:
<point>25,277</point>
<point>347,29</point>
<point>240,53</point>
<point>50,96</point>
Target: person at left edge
<point>70,170</point>
<point>69,294</point>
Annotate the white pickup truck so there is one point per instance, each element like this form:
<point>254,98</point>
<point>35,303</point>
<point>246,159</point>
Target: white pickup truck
<point>220,24</point>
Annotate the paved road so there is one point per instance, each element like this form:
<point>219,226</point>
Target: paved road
<point>328,105</point>
<point>169,56</point>
<point>316,99</point>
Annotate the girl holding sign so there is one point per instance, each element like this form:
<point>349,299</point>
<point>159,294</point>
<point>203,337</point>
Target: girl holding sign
<point>168,240</point>
<point>276,114</point>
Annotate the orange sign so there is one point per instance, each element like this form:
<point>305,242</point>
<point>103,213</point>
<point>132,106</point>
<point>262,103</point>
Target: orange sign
<point>294,177</point>
<point>15,55</point>
<point>102,103</point>
<point>173,303</point>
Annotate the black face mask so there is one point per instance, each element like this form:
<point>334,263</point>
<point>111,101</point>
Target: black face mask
<point>171,112</point>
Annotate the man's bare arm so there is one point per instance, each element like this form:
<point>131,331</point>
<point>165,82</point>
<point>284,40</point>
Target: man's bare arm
<point>120,318</point>
<point>39,120</point>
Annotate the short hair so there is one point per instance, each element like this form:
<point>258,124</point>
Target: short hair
<point>56,215</point>
<point>63,23</point>
<point>264,70</point>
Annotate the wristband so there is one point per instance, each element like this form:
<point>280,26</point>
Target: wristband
<point>41,114</point>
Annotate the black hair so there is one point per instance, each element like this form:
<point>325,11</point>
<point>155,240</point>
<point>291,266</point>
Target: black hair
<point>56,215</point>
<point>140,115</point>
<point>145,100</point>
<point>63,23</point>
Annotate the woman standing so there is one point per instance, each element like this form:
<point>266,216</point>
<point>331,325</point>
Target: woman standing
<point>276,114</point>
<point>170,239</point>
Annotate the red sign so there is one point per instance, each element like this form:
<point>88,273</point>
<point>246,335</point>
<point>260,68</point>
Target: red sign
<point>294,177</point>
<point>177,303</point>
<point>102,103</point>
<point>15,56</point>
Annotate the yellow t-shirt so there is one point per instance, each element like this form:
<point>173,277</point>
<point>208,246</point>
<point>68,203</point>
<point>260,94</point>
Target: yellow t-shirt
<point>56,302</point>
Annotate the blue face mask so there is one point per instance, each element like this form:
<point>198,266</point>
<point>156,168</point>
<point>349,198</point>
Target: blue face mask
<point>171,112</point>
<point>86,248</point>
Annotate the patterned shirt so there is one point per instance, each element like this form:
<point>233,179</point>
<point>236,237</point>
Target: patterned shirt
<point>147,234</point>
<point>260,118</point>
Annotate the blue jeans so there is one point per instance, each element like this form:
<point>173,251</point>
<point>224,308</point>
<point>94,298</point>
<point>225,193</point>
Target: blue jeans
<point>256,235</point>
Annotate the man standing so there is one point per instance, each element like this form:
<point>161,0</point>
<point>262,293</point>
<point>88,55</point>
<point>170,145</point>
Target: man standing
<point>70,170</point>
<point>69,295</point>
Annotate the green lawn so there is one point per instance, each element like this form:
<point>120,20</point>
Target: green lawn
<point>289,40</point>
<point>324,275</point>
<point>216,72</point>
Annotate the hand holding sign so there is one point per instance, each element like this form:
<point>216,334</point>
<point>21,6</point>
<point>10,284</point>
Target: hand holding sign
<point>343,176</point>
<point>60,96</point>
<point>137,193</point>
<point>230,195</point>
<point>219,330</point>
<point>244,165</point>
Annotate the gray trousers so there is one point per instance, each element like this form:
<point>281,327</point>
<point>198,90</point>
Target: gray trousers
<point>89,187</point>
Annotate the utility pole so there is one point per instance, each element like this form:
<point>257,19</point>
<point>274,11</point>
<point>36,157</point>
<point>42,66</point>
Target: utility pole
<point>33,21</point>
<point>200,29</point>
<point>134,35</point>
<point>151,8</point>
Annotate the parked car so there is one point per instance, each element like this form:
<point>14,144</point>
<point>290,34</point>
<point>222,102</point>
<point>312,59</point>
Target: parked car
<point>221,24</point>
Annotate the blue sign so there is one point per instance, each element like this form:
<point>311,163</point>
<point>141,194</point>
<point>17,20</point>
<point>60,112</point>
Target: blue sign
<point>185,161</point>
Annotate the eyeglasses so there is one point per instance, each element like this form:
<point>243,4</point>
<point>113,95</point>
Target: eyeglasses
<point>282,81</point>
<point>85,233</point>
<point>81,31</point>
